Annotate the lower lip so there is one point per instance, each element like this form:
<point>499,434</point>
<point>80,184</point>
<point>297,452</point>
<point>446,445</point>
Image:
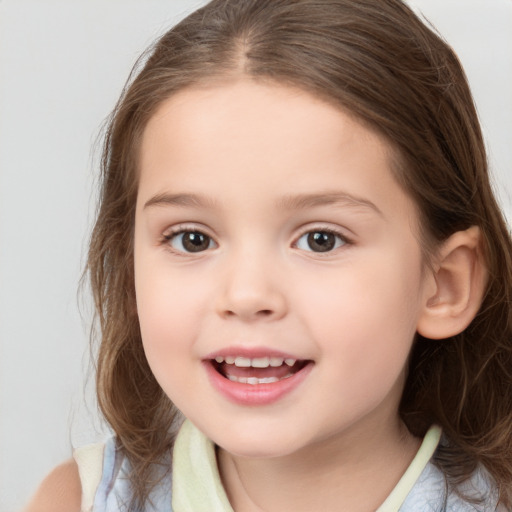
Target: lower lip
<point>255,394</point>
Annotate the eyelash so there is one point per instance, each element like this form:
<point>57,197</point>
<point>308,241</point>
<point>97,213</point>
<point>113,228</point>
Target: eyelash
<point>167,239</point>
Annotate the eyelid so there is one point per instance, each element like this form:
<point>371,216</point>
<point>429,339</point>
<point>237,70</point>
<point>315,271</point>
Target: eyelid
<point>185,226</point>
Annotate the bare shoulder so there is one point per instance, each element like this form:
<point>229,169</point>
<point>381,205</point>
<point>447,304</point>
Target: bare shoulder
<point>60,491</point>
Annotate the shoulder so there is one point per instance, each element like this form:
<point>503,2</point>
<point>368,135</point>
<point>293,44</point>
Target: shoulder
<point>60,491</point>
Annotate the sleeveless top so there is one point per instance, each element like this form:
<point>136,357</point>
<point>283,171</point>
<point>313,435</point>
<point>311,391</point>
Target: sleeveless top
<point>195,484</point>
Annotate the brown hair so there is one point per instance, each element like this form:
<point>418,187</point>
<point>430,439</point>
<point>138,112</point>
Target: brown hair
<point>376,59</point>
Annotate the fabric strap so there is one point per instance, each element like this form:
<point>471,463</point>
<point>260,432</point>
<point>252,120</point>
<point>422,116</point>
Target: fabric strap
<point>89,459</point>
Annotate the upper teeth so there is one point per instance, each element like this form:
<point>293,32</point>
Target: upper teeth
<point>255,362</point>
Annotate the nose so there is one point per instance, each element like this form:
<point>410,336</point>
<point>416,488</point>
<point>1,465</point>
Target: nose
<point>252,290</point>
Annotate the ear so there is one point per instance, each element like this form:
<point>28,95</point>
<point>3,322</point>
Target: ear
<point>459,280</point>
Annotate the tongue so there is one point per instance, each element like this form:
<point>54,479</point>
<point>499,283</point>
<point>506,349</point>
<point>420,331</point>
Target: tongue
<point>260,373</point>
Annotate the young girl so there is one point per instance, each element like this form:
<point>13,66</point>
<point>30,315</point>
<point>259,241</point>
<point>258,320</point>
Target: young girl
<point>298,250</point>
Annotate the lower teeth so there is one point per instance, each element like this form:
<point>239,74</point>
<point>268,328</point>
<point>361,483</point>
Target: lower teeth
<point>254,380</point>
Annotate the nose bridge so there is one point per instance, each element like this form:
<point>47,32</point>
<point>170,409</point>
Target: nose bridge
<point>250,287</point>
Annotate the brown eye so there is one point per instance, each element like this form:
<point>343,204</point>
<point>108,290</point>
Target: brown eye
<point>320,241</point>
<point>190,241</point>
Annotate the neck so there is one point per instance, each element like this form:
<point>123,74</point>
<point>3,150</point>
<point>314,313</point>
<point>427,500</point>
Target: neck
<point>356,471</point>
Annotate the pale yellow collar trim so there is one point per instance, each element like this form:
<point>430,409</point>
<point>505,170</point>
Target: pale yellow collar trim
<point>406,483</point>
<point>196,484</point>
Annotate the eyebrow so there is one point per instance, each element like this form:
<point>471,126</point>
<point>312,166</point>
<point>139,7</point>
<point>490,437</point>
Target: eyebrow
<point>303,201</point>
<point>183,200</point>
<point>291,202</point>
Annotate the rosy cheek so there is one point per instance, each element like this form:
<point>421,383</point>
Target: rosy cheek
<point>167,315</point>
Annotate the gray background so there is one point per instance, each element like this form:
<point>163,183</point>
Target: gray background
<point>62,66</point>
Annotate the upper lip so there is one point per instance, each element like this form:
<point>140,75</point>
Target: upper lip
<point>251,353</point>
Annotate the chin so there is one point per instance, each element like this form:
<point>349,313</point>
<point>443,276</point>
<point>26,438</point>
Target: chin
<point>257,445</point>
<point>254,452</point>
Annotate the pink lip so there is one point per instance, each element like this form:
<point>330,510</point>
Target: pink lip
<point>250,352</point>
<point>254,394</point>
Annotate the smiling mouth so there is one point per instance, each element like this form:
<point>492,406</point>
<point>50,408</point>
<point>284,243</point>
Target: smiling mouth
<point>258,370</point>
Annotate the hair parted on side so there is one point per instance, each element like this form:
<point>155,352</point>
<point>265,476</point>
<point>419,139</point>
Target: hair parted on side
<point>377,60</point>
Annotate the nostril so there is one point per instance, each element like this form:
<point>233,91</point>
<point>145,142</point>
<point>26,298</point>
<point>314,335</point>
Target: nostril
<point>262,313</point>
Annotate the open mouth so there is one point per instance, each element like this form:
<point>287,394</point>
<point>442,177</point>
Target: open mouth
<point>258,370</point>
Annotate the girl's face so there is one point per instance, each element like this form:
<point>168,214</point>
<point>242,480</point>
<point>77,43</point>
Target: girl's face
<point>279,279</point>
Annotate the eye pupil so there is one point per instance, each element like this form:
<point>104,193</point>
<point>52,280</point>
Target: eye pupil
<point>320,241</point>
<point>195,242</point>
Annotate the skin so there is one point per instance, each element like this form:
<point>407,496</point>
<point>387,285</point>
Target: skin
<point>248,149</point>
<point>59,492</point>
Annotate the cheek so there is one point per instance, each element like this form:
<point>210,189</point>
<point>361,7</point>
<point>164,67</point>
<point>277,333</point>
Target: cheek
<point>168,310</point>
<point>365,317</point>
<point>168,329</point>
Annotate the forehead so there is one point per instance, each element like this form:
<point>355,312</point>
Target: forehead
<point>244,138</point>
<point>244,109</point>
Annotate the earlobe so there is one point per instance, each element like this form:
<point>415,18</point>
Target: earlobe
<point>460,277</point>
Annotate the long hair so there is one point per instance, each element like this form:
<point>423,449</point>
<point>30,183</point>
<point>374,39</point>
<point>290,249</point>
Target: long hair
<point>377,60</point>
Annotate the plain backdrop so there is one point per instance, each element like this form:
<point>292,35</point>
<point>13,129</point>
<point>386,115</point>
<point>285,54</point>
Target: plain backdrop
<point>62,67</point>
